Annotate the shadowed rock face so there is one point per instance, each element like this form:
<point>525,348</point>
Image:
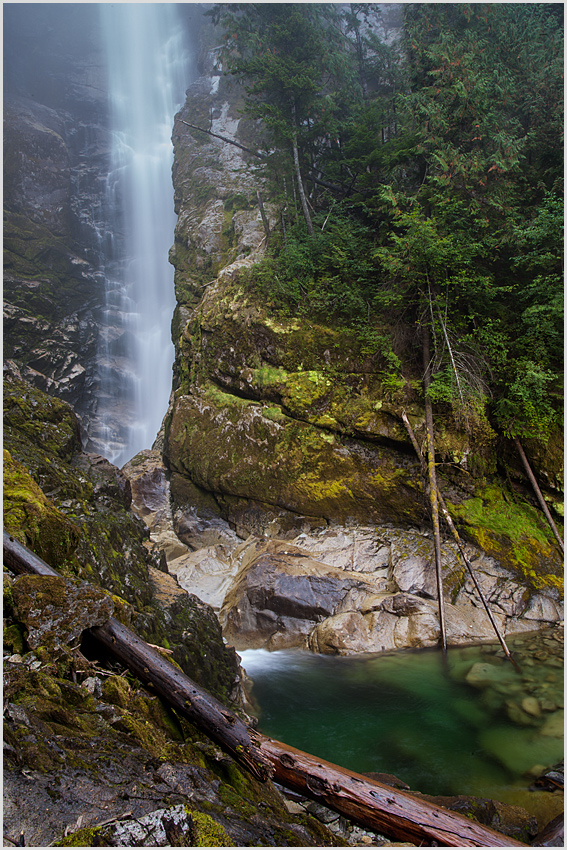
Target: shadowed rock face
<point>55,166</point>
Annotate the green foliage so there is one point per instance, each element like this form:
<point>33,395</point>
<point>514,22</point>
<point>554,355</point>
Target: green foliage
<point>525,410</point>
<point>434,169</point>
<point>330,274</point>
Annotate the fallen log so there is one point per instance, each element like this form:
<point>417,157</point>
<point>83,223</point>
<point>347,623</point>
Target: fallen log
<point>225,139</point>
<point>394,813</point>
<point>369,803</point>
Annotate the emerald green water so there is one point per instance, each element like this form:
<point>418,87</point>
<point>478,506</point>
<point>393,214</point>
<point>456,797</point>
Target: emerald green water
<point>412,715</point>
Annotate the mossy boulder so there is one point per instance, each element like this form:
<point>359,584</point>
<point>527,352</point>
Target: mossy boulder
<point>55,611</point>
<point>514,533</point>
<point>237,447</point>
<point>303,418</point>
<point>126,763</point>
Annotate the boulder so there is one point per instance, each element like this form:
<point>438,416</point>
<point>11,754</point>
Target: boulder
<point>279,593</point>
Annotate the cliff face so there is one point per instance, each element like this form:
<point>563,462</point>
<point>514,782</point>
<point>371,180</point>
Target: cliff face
<point>292,423</point>
<point>55,165</point>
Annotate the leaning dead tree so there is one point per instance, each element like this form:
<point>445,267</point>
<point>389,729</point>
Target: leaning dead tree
<point>449,520</point>
<point>370,804</point>
<point>537,491</point>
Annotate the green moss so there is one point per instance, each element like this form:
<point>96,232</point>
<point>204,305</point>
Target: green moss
<point>116,690</point>
<point>209,833</point>
<point>32,519</point>
<point>7,597</point>
<point>270,375</point>
<point>511,531</point>
<point>14,638</point>
<point>88,837</point>
<point>146,734</point>
<point>231,797</point>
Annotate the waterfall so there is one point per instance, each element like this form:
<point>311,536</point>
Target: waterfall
<point>147,78</point>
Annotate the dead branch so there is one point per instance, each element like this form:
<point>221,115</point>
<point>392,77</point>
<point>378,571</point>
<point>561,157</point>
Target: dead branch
<point>538,493</point>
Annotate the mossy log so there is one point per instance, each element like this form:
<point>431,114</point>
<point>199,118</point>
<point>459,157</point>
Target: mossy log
<point>371,804</point>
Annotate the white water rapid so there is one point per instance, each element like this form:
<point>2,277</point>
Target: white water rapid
<point>147,78</point>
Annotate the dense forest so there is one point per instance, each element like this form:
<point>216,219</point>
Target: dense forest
<point>420,186</point>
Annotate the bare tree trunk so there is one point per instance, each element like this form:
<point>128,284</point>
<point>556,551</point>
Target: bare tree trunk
<point>458,541</point>
<point>265,221</point>
<point>225,139</point>
<point>432,477</point>
<point>301,190</point>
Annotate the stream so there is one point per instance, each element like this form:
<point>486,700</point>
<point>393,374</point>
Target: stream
<point>470,725</point>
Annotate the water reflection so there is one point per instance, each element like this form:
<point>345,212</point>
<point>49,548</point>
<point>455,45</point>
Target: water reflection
<point>474,725</point>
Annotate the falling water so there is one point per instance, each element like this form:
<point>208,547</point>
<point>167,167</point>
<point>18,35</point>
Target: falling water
<point>147,67</point>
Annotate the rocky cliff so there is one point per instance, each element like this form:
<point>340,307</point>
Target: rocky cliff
<point>277,430</point>
<point>55,166</point>
<point>292,425</point>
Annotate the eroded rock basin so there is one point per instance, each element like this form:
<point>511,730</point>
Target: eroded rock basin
<point>473,725</point>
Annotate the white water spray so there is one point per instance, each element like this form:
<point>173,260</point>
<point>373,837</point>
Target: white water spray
<point>147,79</point>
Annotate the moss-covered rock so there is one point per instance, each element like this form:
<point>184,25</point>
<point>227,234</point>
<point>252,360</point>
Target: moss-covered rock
<point>32,519</point>
<point>126,763</point>
<point>86,528</point>
<point>513,532</point>
<point>300,417</point>
<point>55,611</point>
<point>95,741</point>
<point>227,445</point>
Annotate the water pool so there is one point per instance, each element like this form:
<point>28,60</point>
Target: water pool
<point>470,725</point>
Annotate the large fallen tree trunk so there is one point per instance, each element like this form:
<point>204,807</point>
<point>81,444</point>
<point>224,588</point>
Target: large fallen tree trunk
<point>371,804</point>
<point>394,813</point>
